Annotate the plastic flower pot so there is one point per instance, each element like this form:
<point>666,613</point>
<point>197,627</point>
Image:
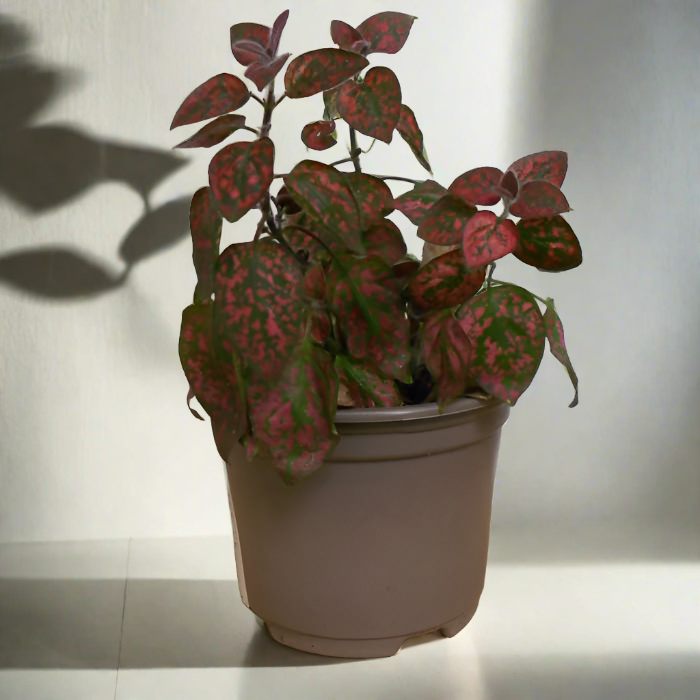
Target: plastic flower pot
<point>387,541</point>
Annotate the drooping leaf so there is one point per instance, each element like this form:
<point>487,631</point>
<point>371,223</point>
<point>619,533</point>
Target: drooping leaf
<point>294,418</point>
<point>221,94</point>
<point>214,132</point>
<point>383,344</point>
<point>330,104</point>
<point>406,268</point>
<point>412,135</point>
<point>384,240</point>
<point>344,35</point>
<point>240,174</point>
<point>263,72</point>
<point>509,185</point>
<point>276,33</point>
<point>206,378</point>
<point>539,199</point>
<point>249,31</point>
<point>446,221</point>
<point>373,198</point>
<point>507,333</point>
<point>445,281</point>
<point>367,389</point>
<point>323,192</point>
<point>260,305</point>
<point>447,351</point>
<point>555,336</point>
<point>478,186</point>
<point>205,227</point>
<point>548,244</point>
<point>386,32</point>
<point>549,166</point>
<point>416,203</point>
<point>373,106</point>
<point>486,240</point>
<point>319,135</point>
<point>323,69</point>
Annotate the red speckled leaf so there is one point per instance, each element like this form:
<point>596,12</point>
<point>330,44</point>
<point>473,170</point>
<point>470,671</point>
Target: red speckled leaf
<point>447,350</point>
<point>221,94</point>
<point>445,281</point>
<point>416,203</point>
<point>539,199</point>
<point>384,241</point>
<point>248,31</point>
<point>214,132</point>
<point>478,186</point>
<point>302,242</point>
<point>294,419</point>
<point>386,32</point>
<point>316,71</point>
<point>260,304</point>
<point>344,35</point>
<point>239,176</point>
<point>215,391</point>
<point>382,344</point>
<point>373,197</point>
<point>276,33</point>
<point>319,135</point>
<point>555,336</point>
<point>372,107</point>
<point>549,166</point>
<point>323,192</point>
<point>367,389</point>
<point>507,333</point>
<point>446,221</point>
<point>486,240</point>
<point>205,227</point>
<point>548,244</point>
<point>412,135</point>
<point>263,72</point>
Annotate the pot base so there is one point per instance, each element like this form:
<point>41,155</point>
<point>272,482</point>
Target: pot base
<point>358,648</point>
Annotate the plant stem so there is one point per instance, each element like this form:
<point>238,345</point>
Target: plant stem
<point>488,281</point>
<point>282,96</point>
<point>354,151</point>
<point>257,99</point>
<point>343,160</point>
<point>250,128</point>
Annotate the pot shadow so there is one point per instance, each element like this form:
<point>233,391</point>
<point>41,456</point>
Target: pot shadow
<point>44,167</point>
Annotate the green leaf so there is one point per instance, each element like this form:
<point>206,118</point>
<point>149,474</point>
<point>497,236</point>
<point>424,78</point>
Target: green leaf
<point>555,336</point>
<point>548,244</point>
<point>294,418</point>
<point>506,329</point>
<point>260,305</point>
<point>323,69</point>
<point>413,136</point>
<point>239,176</point>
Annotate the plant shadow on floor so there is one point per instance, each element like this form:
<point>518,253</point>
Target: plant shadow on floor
<point>43,167</point>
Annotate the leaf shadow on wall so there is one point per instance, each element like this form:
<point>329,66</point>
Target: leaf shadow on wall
<point>48,166</point>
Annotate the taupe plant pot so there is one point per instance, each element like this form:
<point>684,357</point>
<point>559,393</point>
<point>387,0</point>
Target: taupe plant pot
<point>387,541</point>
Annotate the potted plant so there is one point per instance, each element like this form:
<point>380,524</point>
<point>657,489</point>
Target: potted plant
<point>374,382</point>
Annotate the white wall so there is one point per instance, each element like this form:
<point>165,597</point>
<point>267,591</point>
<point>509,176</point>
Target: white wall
<point>95,437</point>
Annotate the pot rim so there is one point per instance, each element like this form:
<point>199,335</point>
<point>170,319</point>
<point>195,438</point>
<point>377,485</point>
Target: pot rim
<point>419,411</point>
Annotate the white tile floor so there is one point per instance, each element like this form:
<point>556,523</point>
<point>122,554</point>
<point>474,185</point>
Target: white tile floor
<point>592,613</point>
